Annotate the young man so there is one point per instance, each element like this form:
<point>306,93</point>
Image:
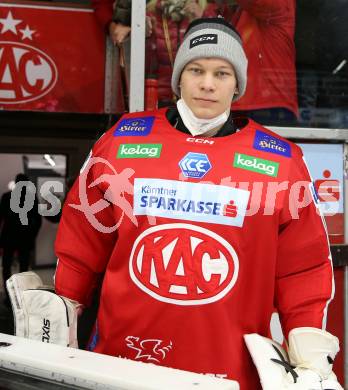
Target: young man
<point>197,226</point>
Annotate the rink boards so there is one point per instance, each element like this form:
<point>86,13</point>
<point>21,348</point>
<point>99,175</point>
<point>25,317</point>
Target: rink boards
<point>38,365</point>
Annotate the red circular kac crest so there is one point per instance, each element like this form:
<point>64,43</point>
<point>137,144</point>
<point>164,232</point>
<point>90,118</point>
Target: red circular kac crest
<point>183,264</point>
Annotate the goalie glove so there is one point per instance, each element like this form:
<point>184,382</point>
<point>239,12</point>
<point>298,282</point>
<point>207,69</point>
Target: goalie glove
<point>41,314</point>
<point>307,367</point>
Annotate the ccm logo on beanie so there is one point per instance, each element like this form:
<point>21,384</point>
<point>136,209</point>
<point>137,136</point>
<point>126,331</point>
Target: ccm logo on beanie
<point>202,39</point>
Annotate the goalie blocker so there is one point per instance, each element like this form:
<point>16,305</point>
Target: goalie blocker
<point>39,313</point>
<point>308,366</point>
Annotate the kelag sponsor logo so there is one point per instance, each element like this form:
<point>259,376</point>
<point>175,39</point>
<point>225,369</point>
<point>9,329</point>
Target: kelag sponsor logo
<point>139,151</point>
<point>134,126</point>
<point>195,165</point>
<point>259,165</point>
<point>183,264</point>
<point>190,201</point>
<point>268,143</point>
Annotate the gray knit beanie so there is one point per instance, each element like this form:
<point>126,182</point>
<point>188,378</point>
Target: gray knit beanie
<point>211,37</point>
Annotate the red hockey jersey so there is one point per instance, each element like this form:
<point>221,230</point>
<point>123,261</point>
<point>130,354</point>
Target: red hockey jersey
<point>195,240</point>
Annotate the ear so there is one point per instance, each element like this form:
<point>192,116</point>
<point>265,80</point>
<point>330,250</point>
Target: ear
<point>236,92</point>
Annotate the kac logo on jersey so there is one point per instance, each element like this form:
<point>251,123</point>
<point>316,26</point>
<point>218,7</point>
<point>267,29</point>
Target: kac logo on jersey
<point>183,264</point>
<point>268,143</point>
<point>195,165</point>
<point>134,126</point>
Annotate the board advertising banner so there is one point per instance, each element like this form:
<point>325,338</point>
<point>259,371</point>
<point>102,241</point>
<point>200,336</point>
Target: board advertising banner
<point>51,58</point>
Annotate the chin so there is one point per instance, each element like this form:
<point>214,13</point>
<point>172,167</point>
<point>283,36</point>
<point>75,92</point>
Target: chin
<point>204,113</point>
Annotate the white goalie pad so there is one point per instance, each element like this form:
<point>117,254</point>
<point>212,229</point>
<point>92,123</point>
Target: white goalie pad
<point>39,313</point>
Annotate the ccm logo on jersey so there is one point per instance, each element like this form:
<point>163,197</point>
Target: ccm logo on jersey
<point>190,201</point>
<point>200,141</point>
<point>183,264</point>
<point>203,39</point>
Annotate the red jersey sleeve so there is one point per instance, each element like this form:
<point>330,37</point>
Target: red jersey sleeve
<point>82,248</point>
<point>304,282</point>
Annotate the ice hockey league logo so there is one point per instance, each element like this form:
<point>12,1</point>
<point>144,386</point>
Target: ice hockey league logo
<point>26,72</point>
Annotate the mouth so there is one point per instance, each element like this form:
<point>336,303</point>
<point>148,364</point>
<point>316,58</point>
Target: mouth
<point>205,100</point>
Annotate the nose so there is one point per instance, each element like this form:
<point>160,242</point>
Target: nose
<point>207,82</point>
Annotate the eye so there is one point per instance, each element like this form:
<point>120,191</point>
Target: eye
<point>222,74</point>
<point>195,70</point>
